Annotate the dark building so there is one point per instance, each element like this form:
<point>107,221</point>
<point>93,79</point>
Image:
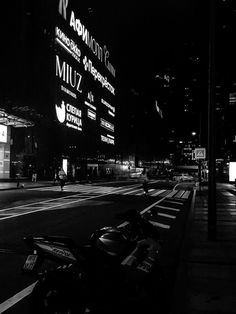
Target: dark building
<point>58,95</point>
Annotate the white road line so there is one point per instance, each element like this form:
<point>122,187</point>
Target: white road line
<point>16,298</point>
<point>175,202</point>
<point>143,211</point>
<point>172,193</point>
<point>47,208</point>
<point>179,194</point>
<point>166,215</point>
<point>227,194</point>
<point>25,292</point>
<point>186,195</point>
<point>160,225</point>
<point>167,207</point>
<point>130,192</point>
<point>53,203</point>
<point>158,192</point>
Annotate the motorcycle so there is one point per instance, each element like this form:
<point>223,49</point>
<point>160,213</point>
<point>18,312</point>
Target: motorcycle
<point>114,265</point>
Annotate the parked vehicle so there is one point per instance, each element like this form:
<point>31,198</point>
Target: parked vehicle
<point>180,177</point>
<point>83,279</point>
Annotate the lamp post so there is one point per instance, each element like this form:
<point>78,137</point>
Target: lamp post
<point>211,127</point>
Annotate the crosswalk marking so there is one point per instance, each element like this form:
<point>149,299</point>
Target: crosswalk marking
<point>179,194</point>
<point>86,192</point>
<point>166,215</point>
<point>160,225</point>
<point>158,192</point>
<point>172,193</point>
<point>186,194</point>
<point>89,189</point>
<point>167,207</point>
<point>127,190</point>
<point>226,193</point>
<point>175,202</point>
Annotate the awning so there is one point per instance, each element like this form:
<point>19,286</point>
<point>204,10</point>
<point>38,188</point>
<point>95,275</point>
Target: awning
<point>12,120</point>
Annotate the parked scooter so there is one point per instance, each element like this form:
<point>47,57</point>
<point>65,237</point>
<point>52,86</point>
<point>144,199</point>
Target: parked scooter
<point>85,279</point>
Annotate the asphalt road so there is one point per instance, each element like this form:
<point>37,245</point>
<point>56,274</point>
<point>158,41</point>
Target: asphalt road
<point>76,213</point>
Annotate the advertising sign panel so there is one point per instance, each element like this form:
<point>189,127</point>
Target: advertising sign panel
<point>84,81</point>
<point>3,133</point>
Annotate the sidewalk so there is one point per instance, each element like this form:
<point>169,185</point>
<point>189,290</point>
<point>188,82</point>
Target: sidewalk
<point>206,278</point>
<point>10,185</point>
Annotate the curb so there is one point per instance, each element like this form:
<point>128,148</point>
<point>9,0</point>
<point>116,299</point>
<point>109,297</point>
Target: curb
<point>180,286</point>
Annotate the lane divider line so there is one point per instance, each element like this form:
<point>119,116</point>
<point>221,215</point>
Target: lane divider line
<point>16,298</point>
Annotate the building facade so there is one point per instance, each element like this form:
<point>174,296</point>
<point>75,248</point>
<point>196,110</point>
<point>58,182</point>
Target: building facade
<point>58,101</point>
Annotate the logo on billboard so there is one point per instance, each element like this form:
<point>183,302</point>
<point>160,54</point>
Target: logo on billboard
<point>88,66</point>
<point>61,112</point>
<point>65,72</point>
<point>69,114</point>
<point>62,7</point>
<point>67,43</point>
<point>3,133</point>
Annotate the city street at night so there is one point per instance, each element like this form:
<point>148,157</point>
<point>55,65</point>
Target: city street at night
<point>76,213</point>
<point>118,157</point>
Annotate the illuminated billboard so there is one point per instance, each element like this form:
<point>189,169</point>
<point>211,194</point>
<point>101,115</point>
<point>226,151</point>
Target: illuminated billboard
<point>232,171</point>
<point>84,81</point>
<point>3,133</point>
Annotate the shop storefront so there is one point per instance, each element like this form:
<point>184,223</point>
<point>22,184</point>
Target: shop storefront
<point>10,164</point>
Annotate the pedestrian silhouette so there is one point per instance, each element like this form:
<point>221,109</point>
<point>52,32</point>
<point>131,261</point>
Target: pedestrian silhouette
<point>62,178</point>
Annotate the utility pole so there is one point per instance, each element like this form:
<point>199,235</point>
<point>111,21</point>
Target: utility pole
<point>211,125</point>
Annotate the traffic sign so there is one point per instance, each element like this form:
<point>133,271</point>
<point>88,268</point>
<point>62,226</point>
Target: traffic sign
<point>200,153</point>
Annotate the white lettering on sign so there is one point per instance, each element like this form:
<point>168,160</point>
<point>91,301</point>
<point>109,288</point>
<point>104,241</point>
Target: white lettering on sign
<point>89,105</point>
<point>107,140</point>
<point>88,66</point>
<point>101,53</point>
<point>108,65</point>
<point>67,91</point>
<point>63,7</point>
<point>91,114</point>
<point>68,44</point>
<point>69,114</point>
<point>108,105</point>
<point>90,97</point>
<point>111,113</point>
<point>65,72</point>
<point>107,125</point>
<point>82,32</point>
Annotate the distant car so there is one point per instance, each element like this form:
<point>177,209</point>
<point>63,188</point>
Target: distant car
<point>180,177</point>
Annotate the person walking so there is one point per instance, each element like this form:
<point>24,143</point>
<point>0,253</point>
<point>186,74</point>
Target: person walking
<point>34,176</point>
<point>62,178</point>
